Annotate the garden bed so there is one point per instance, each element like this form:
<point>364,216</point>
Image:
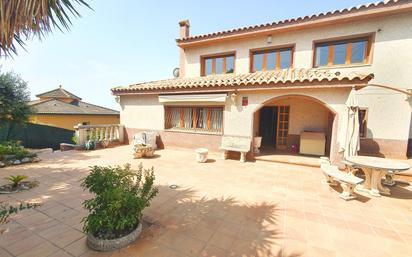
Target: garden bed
<point>11,153</point>
<point>25,185</point>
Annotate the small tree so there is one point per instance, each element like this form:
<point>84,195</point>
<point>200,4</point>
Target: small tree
<point>14,97</point>
<point>121,195</point>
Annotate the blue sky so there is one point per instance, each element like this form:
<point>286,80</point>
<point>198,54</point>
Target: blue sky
<point>127,41</point>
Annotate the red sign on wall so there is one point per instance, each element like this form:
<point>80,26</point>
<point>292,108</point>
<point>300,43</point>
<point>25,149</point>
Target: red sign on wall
<point>245,101</point>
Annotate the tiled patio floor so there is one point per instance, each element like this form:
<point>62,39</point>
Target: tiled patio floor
<point>221,208</point>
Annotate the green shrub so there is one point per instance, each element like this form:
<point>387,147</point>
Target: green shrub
<point>7,210</point>
<point>16,179</point>
<point>121,195</point>
<point>14,148</point>
<point>74,139</point>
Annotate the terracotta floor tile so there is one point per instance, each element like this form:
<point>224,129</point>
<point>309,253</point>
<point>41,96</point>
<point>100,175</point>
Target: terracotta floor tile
<point>89,253</point>
<point>314,217</point>
<point>211,222</point>
<point>361,227</point>
<point>190,246</point>
<point>336,222</point>
<point>5,253</point>
<point>170,239</point>
<point>212,251</point>
<point>78,247</point>
<point>21,246</point>
<point>67,237</point>
<point>221,208</point>
<point>35,218</point>
<point>320,252</point>
<point>43,249</point>
<point>53,231</point>
<point>14,234</point>
<point>222,240</point>
<point>387,233</point>
<point>61,254</point>
<point>294,247</point>
<point>202,233</point>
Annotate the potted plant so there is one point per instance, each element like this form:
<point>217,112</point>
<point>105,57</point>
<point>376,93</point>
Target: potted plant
<point>90,145</point>
<point>141,150</point>
<point>115,212</point>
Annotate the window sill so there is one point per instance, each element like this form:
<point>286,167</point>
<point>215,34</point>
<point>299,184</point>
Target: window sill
<point>343,66</point>
<point>193,131</point>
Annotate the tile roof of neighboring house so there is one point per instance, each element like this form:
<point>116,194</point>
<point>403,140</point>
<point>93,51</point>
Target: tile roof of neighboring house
<point>56,106</point>
<point>383,5</point>
<point>59,93</point>
<point>277,78</point>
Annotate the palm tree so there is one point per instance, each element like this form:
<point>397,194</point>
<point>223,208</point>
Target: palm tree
<point>21,19</point>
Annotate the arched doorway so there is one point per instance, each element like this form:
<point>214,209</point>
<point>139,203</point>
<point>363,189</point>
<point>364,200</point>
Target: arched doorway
<point>285,122</point>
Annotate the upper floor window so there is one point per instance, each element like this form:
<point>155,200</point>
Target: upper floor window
<point>219,64</point>
<point>343,52</point>
<point>271,59</point>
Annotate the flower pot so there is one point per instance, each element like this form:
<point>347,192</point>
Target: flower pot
<point>201,154</point>
<point>142,150</point>
<point>112,244</point>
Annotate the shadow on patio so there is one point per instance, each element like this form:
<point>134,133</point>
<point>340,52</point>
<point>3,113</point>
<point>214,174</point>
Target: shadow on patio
<point>185,223</point>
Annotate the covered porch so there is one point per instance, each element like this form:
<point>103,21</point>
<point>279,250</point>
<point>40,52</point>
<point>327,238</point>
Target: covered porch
<point>294,129</point>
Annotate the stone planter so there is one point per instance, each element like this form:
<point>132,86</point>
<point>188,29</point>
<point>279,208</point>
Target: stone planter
<point>66,147</point>
<point>201,154</point>
<point>143,151</point>
<point>112,244</point>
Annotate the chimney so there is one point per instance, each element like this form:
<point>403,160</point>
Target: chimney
<point>184,28</point>
<point>184,32</point>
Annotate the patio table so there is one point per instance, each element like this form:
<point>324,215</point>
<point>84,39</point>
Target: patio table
<point>375,168</point>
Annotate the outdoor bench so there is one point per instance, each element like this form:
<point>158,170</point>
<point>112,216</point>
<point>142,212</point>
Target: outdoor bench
<point>348,181</point>
<point>236,144</point>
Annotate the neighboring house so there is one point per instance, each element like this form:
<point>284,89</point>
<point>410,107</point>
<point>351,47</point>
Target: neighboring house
<point>279,79</point>
<point>60,108</point>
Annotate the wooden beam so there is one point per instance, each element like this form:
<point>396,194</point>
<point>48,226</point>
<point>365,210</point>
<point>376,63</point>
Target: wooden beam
<point>390,88</point>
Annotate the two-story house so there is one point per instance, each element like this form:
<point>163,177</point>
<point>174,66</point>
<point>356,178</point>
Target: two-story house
<point>279,79</point>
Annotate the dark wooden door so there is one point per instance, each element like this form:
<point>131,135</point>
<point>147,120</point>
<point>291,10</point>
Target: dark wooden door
<point>267,125</point>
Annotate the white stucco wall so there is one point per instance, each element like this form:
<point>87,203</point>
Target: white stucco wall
<point>142,112</point>
<point>389,112</point>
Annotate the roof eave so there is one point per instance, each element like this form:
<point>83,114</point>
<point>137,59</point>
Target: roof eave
<point>61,113</point>
<point>298,24</point>
<point>344,83</point>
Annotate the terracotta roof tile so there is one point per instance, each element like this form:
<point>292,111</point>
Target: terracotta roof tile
<point>291,21</point>
<point>276,77</point>
<point>56,106</point>
<point>58,93</point>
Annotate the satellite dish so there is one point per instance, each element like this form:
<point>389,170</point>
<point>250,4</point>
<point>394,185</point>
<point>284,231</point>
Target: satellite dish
<point>176,72</point>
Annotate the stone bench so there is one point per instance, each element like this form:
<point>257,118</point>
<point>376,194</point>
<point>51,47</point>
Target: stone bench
<point>334,177</point>
<point>236,144</point>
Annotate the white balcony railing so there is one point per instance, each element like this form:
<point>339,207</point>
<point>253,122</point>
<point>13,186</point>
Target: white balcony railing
<point>99,133</point>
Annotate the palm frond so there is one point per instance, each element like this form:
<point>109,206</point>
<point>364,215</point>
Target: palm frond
<point>21,19</point>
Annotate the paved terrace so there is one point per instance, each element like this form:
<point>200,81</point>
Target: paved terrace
<point>221,208</point>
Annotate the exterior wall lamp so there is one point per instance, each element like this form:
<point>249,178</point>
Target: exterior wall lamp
<point>233,96</point>
<point>269,39</point>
